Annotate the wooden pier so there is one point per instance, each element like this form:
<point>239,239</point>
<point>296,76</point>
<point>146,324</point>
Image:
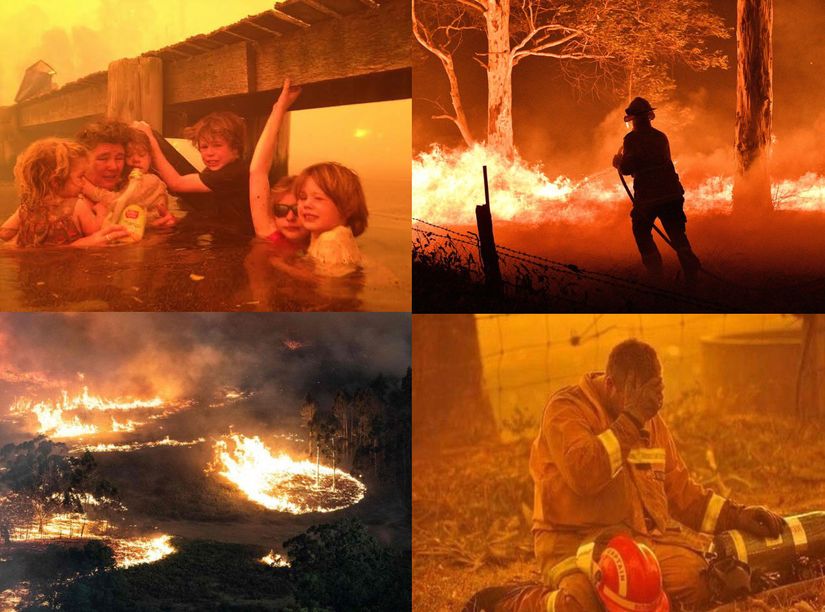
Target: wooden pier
<point>340,51</point>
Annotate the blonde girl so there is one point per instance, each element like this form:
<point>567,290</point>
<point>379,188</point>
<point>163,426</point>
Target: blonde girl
<point>49,178</point>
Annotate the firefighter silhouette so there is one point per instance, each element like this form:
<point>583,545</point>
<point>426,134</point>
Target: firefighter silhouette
<point>645,155</point>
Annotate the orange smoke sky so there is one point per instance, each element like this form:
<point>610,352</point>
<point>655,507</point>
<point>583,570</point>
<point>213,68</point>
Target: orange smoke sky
<point>83,36</point>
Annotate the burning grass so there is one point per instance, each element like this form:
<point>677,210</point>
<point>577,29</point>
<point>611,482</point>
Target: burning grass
<point>470,527</point>
<point>278,482</point>
<point>86,414</point>
<point>447,185</point>
<point>774,261</point>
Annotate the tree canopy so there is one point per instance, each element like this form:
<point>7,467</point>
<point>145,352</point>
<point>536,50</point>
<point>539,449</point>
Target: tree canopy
<point>621,47</point>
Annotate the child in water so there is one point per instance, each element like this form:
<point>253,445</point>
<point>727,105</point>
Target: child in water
<point>49,179</point>
<point>152,193</point>
<point>332,207</point>
<point>220,138</point>
<point>143,188</point>
<point>275,212</point>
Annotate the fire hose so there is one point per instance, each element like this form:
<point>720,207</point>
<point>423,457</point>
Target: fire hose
<point>701,267</point>
<point>708,272</point>
<point>655,227</point>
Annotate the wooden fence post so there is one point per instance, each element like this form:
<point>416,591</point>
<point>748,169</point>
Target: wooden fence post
<point>11,140</point>
<point>135,91</point>
<point>487,242</point>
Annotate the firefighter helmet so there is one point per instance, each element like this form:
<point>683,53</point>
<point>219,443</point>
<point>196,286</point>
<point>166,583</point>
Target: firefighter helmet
<point>638,106</point>
<point>629,578</point>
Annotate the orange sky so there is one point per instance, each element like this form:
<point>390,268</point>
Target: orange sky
<point>83,36</point>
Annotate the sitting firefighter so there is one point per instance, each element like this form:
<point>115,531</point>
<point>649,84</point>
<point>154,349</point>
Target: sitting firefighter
<point>604,463</point>
<point>645,154</point>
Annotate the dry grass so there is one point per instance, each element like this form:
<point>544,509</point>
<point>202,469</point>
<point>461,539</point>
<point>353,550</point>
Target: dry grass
<point>469,525</point>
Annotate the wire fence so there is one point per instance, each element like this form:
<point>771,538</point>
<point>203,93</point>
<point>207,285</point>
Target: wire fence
<point>538,279</point>
<point>525,358</point>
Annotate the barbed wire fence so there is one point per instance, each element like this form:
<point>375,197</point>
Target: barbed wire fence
<point>538,279</point>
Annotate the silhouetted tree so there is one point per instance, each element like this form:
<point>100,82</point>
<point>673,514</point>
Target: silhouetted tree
<point>754,105</point>
<point>308,410</point>
<point>342,567</point>
<point>630,46</point>
<point>45,474</point>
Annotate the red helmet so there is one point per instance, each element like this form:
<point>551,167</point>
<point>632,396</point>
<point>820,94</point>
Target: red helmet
<point>629,578</point>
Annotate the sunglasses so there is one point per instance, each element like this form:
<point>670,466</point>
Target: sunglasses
<point>282,210</point>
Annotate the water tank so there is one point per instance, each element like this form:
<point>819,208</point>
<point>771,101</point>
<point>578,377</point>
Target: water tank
<point>752,371</point>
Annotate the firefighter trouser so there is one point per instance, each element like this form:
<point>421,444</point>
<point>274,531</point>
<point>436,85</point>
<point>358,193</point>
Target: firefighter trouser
<point>673,220</point>
<point>682,568</point>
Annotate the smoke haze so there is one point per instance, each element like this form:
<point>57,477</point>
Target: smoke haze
<point>77,38</point>
<point>279,357</point>
<point>576,134</point>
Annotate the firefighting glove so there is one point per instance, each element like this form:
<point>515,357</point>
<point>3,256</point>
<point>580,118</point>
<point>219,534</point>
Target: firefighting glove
<point>643,401</point>
<point>758,520</point>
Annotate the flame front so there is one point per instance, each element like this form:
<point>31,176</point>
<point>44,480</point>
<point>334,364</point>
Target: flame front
<point>447,186</point>
<point>73,416</point>
<point>127,551</point>
<point>135,551</point>
<point>115,448</point>
<point>274,559</point>
<point>280,482</point>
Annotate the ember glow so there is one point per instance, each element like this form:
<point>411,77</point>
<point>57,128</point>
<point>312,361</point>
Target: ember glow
<point>10,599</point>
<point>280,482</point>
<point>273,559</point>
<point>80,415</point>
<point>447,186</point>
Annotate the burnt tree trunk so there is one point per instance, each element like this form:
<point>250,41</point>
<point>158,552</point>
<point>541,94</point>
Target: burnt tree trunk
<point>754,106</point>
<point>452,407</point>
<point>499,77</point>
<point>810,387</point>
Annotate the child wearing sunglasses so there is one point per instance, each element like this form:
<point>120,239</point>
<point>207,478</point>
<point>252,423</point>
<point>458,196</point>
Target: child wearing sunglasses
<point>275,211</point>
<point>289,236</point>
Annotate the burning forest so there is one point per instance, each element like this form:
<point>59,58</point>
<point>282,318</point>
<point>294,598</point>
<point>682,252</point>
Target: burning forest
<point>537,92</point>
<point>248,448</point>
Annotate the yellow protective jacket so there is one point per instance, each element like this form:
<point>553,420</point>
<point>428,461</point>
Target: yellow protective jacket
<point>592,470</point>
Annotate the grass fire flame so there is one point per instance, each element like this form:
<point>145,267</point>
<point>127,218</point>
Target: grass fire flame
<point>84,414</point>
<point>281,483</point>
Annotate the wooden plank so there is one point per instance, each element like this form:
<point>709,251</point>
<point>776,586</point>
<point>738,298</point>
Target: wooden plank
<point>123,95</point>
<point>61,106</point>
<point>264,28</point>
<point>135,90</point>
<point>316,6</point>
<point>288,18</point>
<point>11,140</point>
<point>151,91</point>
<point>222,72</point>
<point>381,87</point>
<point>363,43</point>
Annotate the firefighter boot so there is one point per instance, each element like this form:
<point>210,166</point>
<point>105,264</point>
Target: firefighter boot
<point>690,266</point>
<point>653,264</point>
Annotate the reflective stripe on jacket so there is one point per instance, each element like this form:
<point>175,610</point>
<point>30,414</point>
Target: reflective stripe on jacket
<point>592,470</point>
